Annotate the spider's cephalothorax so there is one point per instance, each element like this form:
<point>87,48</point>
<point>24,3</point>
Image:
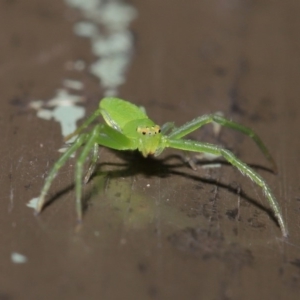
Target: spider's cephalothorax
<point>149,137</point>
<point>127,127</point>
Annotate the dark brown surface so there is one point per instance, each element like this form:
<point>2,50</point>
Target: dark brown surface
<point>188,235</point>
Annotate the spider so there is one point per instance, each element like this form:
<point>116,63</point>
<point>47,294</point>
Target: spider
<point>127,127</point>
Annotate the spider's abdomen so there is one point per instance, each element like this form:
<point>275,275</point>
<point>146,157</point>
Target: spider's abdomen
<point>117,112</point>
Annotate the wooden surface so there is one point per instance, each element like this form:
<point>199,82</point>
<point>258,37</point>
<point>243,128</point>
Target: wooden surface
<point>154,228</point>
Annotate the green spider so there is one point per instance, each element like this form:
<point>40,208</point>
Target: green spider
<point>129,128</point>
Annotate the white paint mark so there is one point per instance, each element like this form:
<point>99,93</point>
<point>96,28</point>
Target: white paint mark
<point>45,114</point>
<point>110,70</point>
<point>73,84</point>
<point>107,27</point>
<point>86,29</point>
<point>18,258</point>
<point>63,98</point>
<point>67,117</point>
<point>117,43</point>
<point>36,105</point>
<point>65,111</point>
<point>33,203</point>
<point>88,5</point>
<point>117,15</point>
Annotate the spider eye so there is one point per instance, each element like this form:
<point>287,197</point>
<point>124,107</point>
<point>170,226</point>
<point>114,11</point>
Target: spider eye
<point>149,130</point>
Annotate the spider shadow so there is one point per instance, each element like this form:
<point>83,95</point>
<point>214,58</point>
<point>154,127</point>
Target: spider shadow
<point>134,165</point>
<point>55,196</point>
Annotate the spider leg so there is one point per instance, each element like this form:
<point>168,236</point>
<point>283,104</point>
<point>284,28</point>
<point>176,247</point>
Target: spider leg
<point>61,161</point>
<point>95,157</point>
<point>85,124</point>
<point>185,157</point>
<point>91,142</point>
<point>191,126</point>
<point>167,127</point>
<point>103,135</point>
<point>194,146</point>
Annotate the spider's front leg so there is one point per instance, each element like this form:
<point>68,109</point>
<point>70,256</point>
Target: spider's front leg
<point>93,163</point>
<point>91,143</point>
<point>195,124</point>
<point>194,146</point>
<point>85,124</point>
<point>60,163</point>
<point>102,135</point>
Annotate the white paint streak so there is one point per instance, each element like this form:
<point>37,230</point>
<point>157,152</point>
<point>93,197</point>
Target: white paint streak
<point>18,258</point>
<point>33,203</point>
<point>107,27</point>
<point>65,111</point>
<point>45,114</point>
<point>67,116</point>
<point>64,98</point>
<point>73,84</point>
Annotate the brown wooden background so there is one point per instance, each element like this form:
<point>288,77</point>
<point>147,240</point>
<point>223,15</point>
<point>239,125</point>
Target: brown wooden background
<point>155,229</point>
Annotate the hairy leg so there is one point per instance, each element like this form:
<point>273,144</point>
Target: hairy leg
<point>95,157</point>
<point>61,161</point>
<point>89,145</point>
<point>85,124</point>
<point>195,124</point>
<point>189,145</point>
